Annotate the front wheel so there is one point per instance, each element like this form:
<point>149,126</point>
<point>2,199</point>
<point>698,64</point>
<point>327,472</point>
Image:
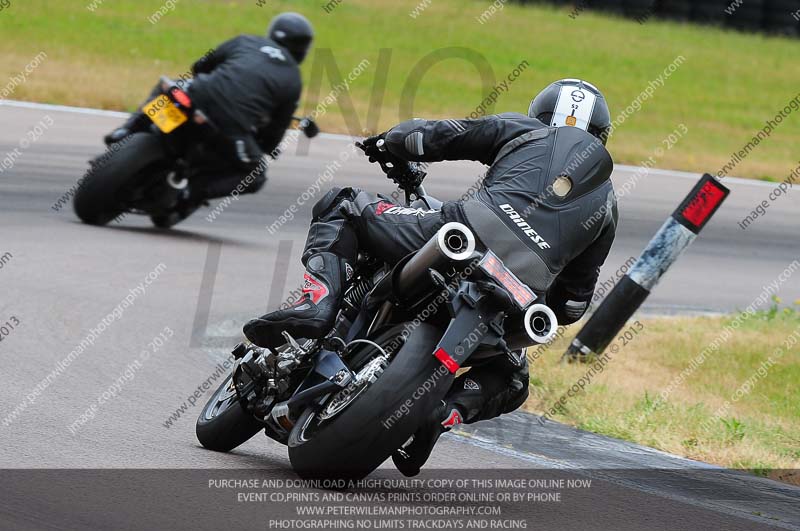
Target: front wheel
<point>224,424</point>
<point>170,219</point>
<point>354,432</point>
<point>100,195</point>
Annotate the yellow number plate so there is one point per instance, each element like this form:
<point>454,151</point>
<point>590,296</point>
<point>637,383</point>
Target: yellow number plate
<point>164,114</point>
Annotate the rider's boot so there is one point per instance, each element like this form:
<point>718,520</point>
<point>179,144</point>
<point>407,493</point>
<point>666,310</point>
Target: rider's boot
<point>136,123</point>
<point>313,315</point>
<point>410,457</point>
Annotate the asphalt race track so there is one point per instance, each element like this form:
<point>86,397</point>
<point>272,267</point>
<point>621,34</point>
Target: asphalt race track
<point>206,278</point>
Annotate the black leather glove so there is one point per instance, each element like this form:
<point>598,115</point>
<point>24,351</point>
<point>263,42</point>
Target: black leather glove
<point>568,307</point>
<point>396,168</point>
<point>370,147</point>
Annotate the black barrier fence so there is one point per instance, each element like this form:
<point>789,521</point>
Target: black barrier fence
<point>771,16</point>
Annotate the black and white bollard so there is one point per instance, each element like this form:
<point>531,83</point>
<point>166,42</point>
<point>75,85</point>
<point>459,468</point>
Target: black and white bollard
<point>670,241</point>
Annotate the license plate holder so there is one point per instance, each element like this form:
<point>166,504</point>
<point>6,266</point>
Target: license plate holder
<point>164,114</point>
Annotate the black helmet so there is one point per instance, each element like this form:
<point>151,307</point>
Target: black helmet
<point>573,102</point>
<point>293,31</point>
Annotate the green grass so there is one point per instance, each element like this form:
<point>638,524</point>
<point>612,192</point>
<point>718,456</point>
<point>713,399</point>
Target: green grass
<point>758,430</point>
<point>728,86</point>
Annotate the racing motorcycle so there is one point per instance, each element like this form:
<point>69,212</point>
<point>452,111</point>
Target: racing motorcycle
<point>343,404</point>
<point>151,172</point>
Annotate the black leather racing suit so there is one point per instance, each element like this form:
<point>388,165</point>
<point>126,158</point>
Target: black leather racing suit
<point>554,238</point>
<point>249,86</point>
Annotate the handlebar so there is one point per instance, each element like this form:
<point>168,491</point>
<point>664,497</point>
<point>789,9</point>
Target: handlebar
<point>408,175</point>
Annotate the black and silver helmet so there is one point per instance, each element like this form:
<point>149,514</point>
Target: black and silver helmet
<point>573,102</point>
<point>293,31</point>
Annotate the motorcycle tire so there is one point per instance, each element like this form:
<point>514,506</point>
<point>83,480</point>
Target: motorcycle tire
<point>99,198</point>
<point>357,440</point>
<point>167,221</point>
<point>223,423</point>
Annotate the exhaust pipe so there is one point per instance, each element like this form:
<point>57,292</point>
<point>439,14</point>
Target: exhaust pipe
<point>537,326</point>
<point>541,324</point>
<point>454,242</point>
<point>175,184</point>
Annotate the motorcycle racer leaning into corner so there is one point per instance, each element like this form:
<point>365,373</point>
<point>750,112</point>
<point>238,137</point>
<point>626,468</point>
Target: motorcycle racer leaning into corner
<point>548,173</point>
<point>249,86</point>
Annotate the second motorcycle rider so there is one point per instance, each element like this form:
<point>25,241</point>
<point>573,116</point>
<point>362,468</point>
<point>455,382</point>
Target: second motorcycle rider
<point>249,86</point>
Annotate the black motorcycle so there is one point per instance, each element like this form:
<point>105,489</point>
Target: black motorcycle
<point>151,172</point>
<point>344,403</point>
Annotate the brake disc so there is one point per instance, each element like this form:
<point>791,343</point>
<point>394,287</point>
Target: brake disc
<point>366,376</point>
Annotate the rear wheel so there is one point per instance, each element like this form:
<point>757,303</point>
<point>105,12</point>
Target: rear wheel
<point>224,424</point>
<point>165,221</point>
<point>359,428</point>
<point>101,194</point>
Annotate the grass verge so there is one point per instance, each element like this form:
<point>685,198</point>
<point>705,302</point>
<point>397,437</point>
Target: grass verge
<point>738,408</point>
